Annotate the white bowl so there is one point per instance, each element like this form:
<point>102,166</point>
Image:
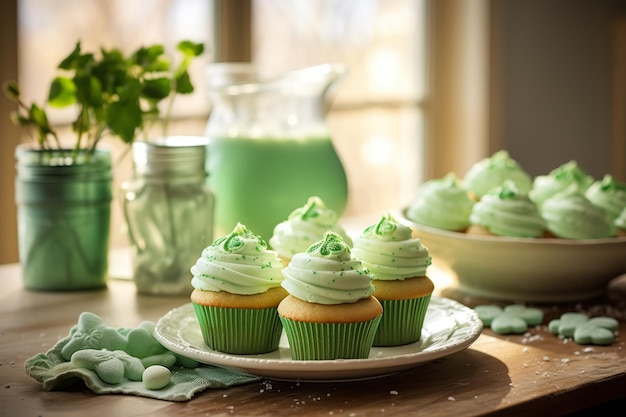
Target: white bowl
<point>524,269</point>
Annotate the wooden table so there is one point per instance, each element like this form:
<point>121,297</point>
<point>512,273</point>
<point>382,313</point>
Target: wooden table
<point>533,374</point>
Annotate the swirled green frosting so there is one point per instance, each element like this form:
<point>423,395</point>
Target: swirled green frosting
<point>238,263</point>
<point>442,203</point>
<point>566,176</point>
<point>608,194</point>
<point>327,273</point>
<point>491,172</point>
<point>506,211</point>
<point>571,215</point>
<point>389,251</point>
<point>305,226</point>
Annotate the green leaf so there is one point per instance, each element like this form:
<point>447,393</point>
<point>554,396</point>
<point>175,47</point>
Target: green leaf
<point>112,56</point>
<point>190,49</point>
<point>62,92</point>
<point>147,57</point>
<point>123,118</point>
<point>156,88</point>
<point>162,64</point>
<point>11,89</point>
<point>183,83</point>
<point>38,116</point>
<point>130,91</point>
<point>70,61</point>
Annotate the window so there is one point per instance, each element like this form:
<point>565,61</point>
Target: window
<point>377,117</point>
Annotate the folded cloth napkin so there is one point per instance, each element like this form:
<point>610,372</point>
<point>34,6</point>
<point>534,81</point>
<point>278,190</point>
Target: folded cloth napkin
<point>113,360</point>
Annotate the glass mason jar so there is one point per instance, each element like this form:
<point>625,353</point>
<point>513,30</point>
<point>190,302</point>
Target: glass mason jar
<point>270,148</point>
<point>63,217</point>
<point>169,212</point>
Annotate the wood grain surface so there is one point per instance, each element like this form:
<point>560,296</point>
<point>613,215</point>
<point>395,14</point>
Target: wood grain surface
<point>498,375</point>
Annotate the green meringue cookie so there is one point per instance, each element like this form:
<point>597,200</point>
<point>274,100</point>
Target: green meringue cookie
<point>442,203</point>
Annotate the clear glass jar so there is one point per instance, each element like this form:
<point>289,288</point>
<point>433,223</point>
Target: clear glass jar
<point>169,212</point>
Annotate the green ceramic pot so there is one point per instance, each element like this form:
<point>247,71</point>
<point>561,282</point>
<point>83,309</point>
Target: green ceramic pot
<point>64,216</point>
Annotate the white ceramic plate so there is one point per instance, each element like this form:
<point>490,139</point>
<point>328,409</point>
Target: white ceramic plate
<point>449,327</point>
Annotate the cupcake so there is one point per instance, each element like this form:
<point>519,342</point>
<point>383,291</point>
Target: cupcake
<point>236,294</point>
<point>330,312</point>
<point>491,172</point>
<point>442,203</point>
<point>570,215</point>
<point>398,264</point>
<point>559,179</point>
<point>305,226</point>
<point>506,211</point>
<point>608,194</point>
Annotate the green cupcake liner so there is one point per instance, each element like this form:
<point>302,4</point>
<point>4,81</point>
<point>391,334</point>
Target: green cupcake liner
<point>327,341</point>
<point>402,321</point>
<point>241,331</point>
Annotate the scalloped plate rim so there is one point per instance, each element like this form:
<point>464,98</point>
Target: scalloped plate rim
<point>449,327</point>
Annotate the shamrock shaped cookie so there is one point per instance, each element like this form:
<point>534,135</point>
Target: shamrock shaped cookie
<point>110,366</point>
<point>585,330</point>
<point>91,333</point>
<point>512,319</point>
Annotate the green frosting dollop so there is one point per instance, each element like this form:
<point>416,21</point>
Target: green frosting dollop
<point>608,194</point>
<point>491,172</point>
<point>571,215</point>
<point>305,226</point>
<point>328,274</point>
<point>238,263</point>
<point>389,251</point>
<point>442,203</point>
<point>506,211</point>
<point>566,176</point>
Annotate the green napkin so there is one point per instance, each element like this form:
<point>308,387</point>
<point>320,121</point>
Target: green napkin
<point>112,360</point>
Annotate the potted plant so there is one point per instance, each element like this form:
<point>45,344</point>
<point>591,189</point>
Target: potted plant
<point>64,192</point>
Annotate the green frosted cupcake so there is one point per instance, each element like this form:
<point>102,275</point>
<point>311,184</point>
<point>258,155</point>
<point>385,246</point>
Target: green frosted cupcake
<point>236,294</point>
<point>398,264</point>
<point>330,312</point>
<point>305,226</point>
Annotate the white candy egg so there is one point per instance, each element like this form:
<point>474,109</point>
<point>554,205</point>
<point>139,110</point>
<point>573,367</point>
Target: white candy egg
<point>156,377</point>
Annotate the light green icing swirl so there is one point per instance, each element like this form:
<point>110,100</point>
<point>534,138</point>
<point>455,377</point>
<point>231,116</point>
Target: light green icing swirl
<point>238,263</point>
<point>442,203</point>
<point>328,274</point>
<point>566,176</point>
<point>506,211</point>
<point>305,226</point>
<point>570,215</point>
<point>491,172</point>
<point>609,195</point>
<point>388,250</point>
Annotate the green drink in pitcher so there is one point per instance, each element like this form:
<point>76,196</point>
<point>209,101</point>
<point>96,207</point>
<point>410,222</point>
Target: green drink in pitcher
<point>259,181</point>
<point>270,148</point>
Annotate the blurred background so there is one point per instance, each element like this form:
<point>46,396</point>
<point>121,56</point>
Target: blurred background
<point>433,85</point>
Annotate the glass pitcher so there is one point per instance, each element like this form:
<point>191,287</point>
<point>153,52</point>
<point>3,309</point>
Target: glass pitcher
<point>270,148</point>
